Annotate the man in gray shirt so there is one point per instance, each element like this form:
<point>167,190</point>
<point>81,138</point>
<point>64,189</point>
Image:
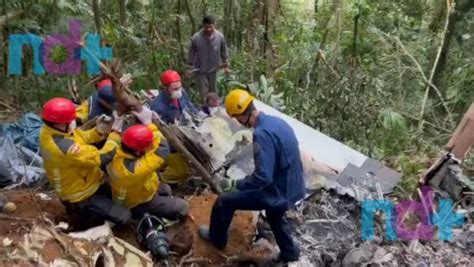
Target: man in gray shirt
<point>207,54</point>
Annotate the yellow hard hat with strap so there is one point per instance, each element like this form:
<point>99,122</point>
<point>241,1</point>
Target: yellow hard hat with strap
<point>237,101</point>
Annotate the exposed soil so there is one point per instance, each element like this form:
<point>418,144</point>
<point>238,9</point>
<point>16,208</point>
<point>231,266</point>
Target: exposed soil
<point>241,233</point>
<point>29,208</point>
<point>182,237</point>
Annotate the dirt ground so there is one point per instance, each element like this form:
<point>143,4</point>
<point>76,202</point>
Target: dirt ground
<point>241,233</point>
<point>183,237</point>
<point>29,208</point>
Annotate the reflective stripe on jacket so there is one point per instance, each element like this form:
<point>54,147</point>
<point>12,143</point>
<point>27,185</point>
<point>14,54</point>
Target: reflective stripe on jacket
<point>72,165</point>
<point>134,180</point>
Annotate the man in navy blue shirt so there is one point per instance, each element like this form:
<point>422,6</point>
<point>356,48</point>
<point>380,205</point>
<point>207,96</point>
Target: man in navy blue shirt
<point>170,104</point>
<point>275,185</point>
<point>173,99</point>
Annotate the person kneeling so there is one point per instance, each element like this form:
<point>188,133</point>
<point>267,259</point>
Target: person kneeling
<point>74,167</point>
<point>133,176</point>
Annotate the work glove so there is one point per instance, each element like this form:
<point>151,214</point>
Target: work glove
<point>126,80</point>
<point>201,115</point>
<point>228,184</point>
<point>144,116</point>
<point>155,115</point>
<point>104,124</point>
<point>118,122</point>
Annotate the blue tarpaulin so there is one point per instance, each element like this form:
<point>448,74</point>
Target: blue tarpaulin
<point>24,132</point>
<point>19,159</point>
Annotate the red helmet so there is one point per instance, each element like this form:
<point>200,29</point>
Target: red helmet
<point>59,110</point>
<point>169,76</point>
<point>138,137</point>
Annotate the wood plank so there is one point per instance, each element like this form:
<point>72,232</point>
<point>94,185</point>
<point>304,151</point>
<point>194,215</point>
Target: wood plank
<point>463,138</point>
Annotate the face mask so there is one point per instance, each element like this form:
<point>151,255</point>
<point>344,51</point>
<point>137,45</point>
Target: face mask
<point>177,94</point>
<point>213,110</point>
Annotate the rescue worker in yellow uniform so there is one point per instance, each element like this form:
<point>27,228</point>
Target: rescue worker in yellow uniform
<point>73,167</point>
<point>170,105</point>
<point>133,172</point>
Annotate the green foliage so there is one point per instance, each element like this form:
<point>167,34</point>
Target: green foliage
<point>59,54</point>
<point>358,86</point>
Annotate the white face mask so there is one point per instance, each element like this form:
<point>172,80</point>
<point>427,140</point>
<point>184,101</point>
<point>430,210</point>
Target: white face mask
<point>72,126</point>
<point>213,110</point>
<point>177,94</point>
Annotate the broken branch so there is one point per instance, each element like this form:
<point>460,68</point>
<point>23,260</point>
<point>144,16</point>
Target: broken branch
<point>128,101</point>
<point>65,247</point>
<point>425,79</point>
<point>14,218</point>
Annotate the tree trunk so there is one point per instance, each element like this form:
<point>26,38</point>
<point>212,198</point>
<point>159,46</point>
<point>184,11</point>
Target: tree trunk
<point>338,5</point>
<point>270,11</point>
<point>96,10</point>
<point>461,9</point>
<point>178,31</point>
<point>191,17</point>
<point>227,23</point>
<point>322,45</point>
<point>355,35</point>
<point>122,12</point>
<point>237,20</point>
<point>204,7</point>
<point>5,30</point>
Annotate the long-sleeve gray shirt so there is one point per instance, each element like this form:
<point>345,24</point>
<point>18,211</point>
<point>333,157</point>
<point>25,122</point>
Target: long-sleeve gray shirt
<point>205,53</point>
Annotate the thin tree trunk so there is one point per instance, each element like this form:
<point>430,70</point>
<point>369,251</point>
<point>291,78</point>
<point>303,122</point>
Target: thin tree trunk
<point>178,30</point>
<point>270,10</point>
<point>322,45</point>
<point>204,7</point>
<point>96,11</point>
<point>462,8</point>
<point>338,5</point>
<point>191,17</point>
<point>354,60</point>
<point>5,30</point>
<point>238,35</point>
<point>227,23</point>
<point>122,12</point>
<point>355,35</point>
<point>436,61</point>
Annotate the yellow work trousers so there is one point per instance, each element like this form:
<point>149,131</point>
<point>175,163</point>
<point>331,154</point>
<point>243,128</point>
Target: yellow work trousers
<point>177,170</point>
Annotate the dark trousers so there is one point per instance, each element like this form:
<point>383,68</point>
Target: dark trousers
<point>225,207</point>
<point>98,208</point>
<point>207,83</point>
<point>162,205</point>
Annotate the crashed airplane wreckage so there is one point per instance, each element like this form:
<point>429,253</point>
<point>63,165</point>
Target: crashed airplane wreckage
<point>328,227</point>
<point>225,148</point>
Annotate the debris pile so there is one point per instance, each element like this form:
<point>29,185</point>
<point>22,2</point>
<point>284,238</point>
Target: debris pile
<point>328,230</point>
<point>20,162</point>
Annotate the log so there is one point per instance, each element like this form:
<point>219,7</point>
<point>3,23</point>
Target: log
<point>128,102</point>
<point>463,138</point>
<point>176,143</point>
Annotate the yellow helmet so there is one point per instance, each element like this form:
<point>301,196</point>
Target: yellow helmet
<point>237,101</point>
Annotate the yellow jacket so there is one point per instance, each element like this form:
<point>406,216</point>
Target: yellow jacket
<point>82,111</point>
<point>133,179</point>
<point>72,166</point>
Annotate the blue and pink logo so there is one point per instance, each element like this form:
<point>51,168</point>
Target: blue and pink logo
<point>91,52</point>
<point>444,219</point>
